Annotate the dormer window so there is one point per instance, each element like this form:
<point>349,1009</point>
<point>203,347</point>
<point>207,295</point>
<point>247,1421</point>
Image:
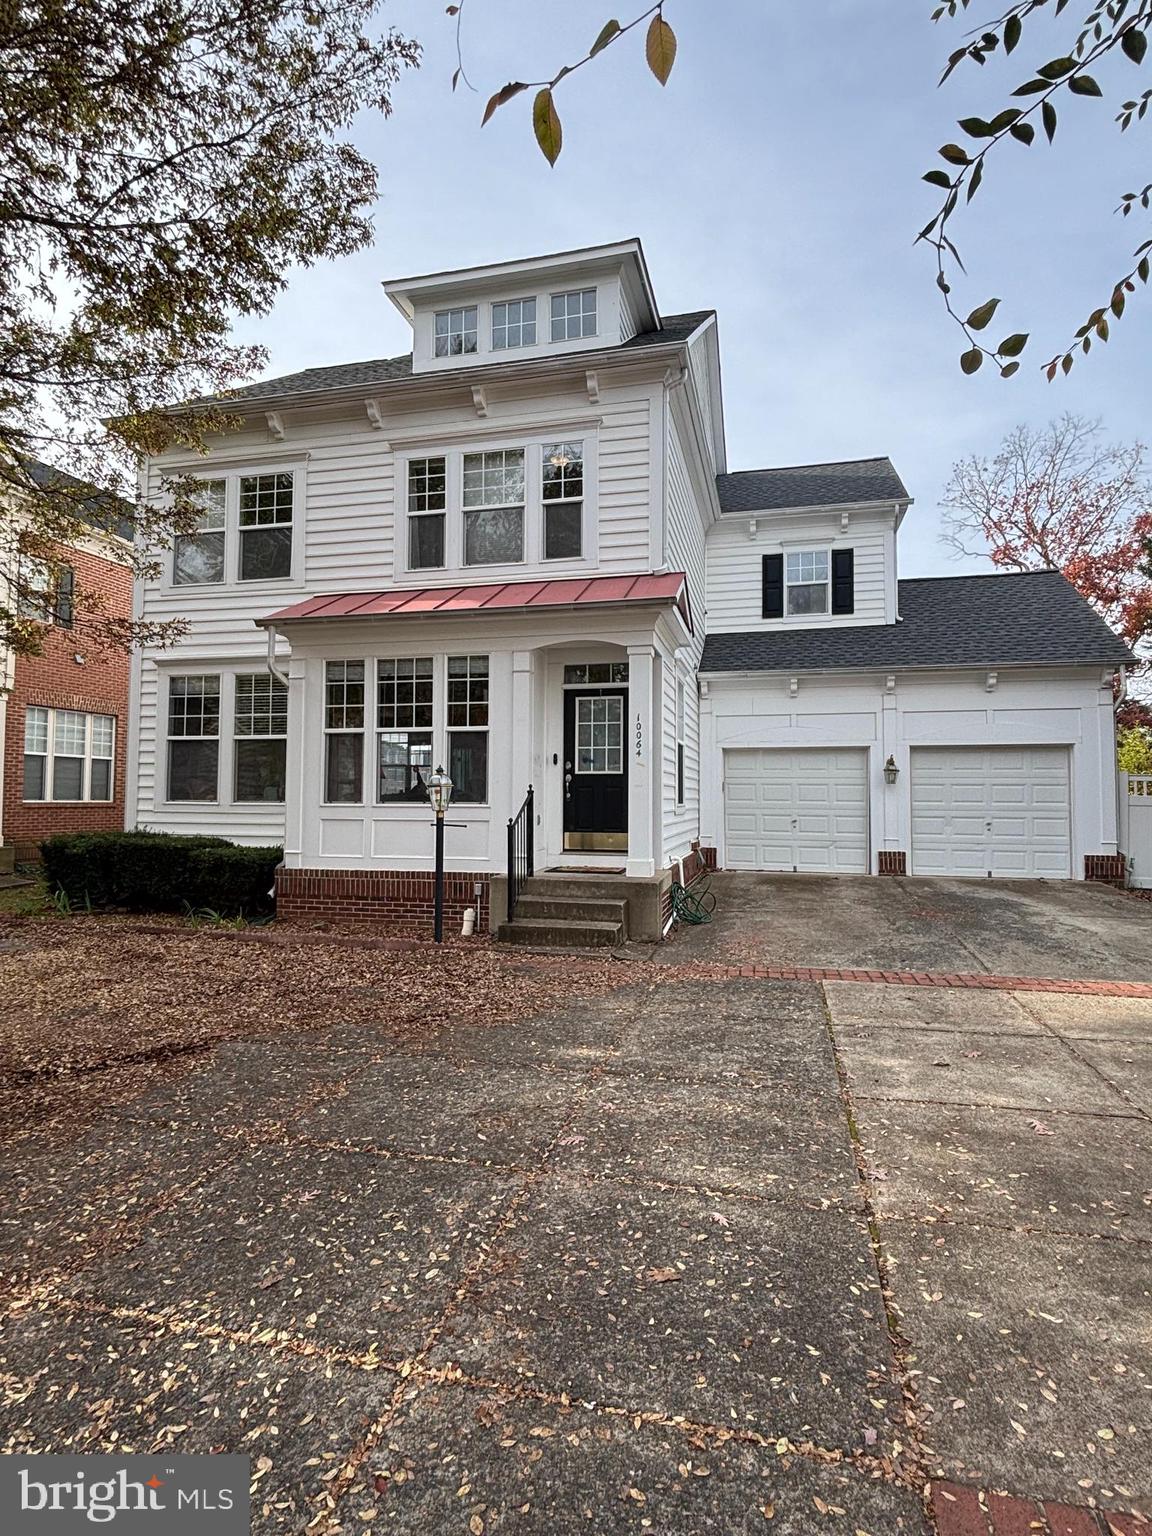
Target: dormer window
<point>514,324</point>
<point>807,580</point>
<point>574,314</point>
<point>456,331</point>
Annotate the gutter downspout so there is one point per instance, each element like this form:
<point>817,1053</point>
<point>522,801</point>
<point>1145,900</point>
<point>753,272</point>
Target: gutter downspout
<point>1122,695</point>
<point>281,677</point>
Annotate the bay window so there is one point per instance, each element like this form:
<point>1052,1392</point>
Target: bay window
<point>260,731</point>
<point>494,507</point>
<point>193,736</point>
<point>67,754</point>
<point>344,732</point>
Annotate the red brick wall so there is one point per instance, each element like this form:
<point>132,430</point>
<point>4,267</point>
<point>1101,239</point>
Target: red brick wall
<point>891,862</point>
<point>1110,867</point>
<point>399,901</point>
<point>56,681</point>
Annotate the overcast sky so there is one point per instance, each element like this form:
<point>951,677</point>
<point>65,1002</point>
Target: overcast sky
<point>776,179</point>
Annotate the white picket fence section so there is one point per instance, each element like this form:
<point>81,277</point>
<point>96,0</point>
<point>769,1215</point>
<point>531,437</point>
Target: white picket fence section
<point>1136,827</point>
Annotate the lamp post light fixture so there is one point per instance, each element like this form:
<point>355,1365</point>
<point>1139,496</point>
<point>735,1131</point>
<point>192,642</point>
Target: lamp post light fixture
<point>440,795</point>
<point>890,771</point>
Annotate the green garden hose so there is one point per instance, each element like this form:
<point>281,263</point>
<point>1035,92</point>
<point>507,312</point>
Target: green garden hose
<point>692,906</point>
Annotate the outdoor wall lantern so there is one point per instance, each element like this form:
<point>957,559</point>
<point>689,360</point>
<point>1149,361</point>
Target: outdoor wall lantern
<point>440,794</point>
<point>891,771</point>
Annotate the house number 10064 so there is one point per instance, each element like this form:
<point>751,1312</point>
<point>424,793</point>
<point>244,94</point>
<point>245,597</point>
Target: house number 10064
<point>639,738</point>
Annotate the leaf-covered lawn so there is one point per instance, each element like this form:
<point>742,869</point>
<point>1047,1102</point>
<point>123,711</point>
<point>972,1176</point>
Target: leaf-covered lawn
<point>91,998</point>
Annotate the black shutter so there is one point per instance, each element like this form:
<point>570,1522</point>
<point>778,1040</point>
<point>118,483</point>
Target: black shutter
<point>65,588</point>
<point>843,586</point>
<point>773,606</point>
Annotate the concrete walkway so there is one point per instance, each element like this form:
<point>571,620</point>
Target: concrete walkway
<point>706,1254</point>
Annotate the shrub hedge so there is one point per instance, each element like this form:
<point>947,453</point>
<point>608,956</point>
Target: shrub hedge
<point>160,872</point>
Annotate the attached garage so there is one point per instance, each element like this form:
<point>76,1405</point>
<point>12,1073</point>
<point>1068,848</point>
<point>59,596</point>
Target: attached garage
<point>1004,812</point>
<point>804,811</point>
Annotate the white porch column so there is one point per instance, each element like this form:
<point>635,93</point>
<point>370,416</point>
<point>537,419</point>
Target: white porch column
<point>296,780</point>
<point>642,744</point>
<point>525,760</point>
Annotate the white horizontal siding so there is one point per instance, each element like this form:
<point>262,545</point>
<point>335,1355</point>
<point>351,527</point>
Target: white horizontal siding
<point>735,566</point>
<point>685,534</point>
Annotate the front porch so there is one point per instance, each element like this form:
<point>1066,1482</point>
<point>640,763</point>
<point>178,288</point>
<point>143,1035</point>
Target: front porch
<point>503,700</point>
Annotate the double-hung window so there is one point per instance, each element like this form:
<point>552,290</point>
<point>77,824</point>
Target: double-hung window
<point>67,754</point>
<point>266,527</point>
<point>562,493</point>
<point>45,592</point>
<point>468,728</point>
<point>244,531</point>
<point>344,732</point>
<point>260,728</point>
<point>404,702</point>
<point>198,558</point>
<point>494,507</point>
<point>193,736</point>
<point>806,575</point>
<point>427,504</point>
<point>574,314</point>
<point>514,324</point>
<point>455,331</point>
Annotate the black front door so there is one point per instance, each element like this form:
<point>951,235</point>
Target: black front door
<point>595,769</point>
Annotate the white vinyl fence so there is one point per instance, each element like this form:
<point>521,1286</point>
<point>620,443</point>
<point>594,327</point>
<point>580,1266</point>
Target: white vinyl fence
<point>1136,827</point>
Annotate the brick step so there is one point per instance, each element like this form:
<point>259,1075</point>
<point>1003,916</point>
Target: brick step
<point>572,909</point>
<point>544,934</point>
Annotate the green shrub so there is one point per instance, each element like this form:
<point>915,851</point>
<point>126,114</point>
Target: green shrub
<point>159,871</point>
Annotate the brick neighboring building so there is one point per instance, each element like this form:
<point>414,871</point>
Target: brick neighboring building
<point>64,714</point>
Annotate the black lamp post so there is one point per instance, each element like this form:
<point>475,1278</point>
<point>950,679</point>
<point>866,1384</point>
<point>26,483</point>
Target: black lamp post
<point>440,794</point>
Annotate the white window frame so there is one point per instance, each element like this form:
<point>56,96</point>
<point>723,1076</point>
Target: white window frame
<point>825,553</point>
<point>232,475</point>
<point>87,757</point>
<point>582,334</point>
<point>238,736</point>
<point>463,330</point>
<point>681,766</point>
<point>534,445</point>
<point>364,730</point>
<point>517,325</point>
<point>224,708</point>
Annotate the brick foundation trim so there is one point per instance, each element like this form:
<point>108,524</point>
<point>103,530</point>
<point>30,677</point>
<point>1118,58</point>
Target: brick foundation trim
<point>709,857</point>
<point>1111,867</point>
<point>399,900</point>
<point>960,1510</point>
<point>891,861</point>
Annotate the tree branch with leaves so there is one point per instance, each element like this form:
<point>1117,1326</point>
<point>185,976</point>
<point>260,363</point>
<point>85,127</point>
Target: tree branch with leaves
<point>163,165</point>
<point>1113,31</point>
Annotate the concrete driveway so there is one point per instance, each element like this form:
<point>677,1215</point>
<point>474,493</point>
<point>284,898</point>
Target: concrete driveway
<point>691,1256</point>
<point>1006,927</point>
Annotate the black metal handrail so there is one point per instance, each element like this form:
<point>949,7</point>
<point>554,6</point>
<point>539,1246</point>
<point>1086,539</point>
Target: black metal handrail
<point>521,852</point>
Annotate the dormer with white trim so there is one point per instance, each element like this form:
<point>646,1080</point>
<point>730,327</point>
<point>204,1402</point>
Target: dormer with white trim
<point>514,311</point>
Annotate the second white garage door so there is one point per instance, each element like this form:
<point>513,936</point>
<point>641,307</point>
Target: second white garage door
<point>804,811</point>
<point>1000,811</point>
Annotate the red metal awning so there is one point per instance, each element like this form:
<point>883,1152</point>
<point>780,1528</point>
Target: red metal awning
<point>495,597</point>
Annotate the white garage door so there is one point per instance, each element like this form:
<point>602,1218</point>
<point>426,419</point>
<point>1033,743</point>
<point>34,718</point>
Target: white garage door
<point>1000,811</point>
<point>805,811</point>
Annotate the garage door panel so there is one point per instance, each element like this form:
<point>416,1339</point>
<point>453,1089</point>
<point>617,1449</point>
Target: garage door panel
<point>1001,811</point>
<point>812,810</point>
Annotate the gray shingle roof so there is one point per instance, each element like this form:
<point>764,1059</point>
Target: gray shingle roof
<point>385,370</point>
<point>950,621</point>
<point>810,485</point>
<point>101,510</point>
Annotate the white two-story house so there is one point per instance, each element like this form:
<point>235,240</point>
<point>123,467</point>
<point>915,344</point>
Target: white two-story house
<point>518,553</point>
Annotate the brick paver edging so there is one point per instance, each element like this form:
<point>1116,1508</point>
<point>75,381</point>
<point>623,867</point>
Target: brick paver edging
<point>922,979</point>
<point>963,1511</point>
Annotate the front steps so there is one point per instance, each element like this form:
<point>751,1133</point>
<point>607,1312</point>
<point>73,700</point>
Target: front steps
<point>568,912</point>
